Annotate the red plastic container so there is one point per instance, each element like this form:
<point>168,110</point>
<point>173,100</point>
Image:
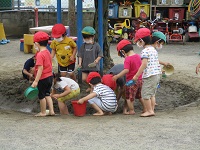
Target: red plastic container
<point>176,13</point>
<point>79,109</point>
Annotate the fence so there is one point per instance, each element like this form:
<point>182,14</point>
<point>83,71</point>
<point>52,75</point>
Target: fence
<point>42,5</point>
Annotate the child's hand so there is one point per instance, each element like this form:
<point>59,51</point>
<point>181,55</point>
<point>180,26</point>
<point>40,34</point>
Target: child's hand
<point>135,78</point>
<point>34,84</point>
<point>115,77</point>
<point>72,58</point>
<point>56,96</point>
<point>130,83</point>
<point>80,101</point>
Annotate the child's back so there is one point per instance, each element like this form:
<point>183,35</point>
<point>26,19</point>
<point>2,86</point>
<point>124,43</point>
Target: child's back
<point>107,96</point>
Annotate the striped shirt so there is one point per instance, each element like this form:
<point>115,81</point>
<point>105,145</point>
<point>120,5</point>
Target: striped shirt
<point>107,97</point>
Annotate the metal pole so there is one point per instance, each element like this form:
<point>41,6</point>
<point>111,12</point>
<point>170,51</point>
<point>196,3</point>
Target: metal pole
<point>100,30</point>
<point>59,11</point>
<point>79,23</point>
<point>79,35</point>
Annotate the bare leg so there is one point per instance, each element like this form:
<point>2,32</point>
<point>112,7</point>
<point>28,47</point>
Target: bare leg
<point>153,102</point>
<point>125,109</point>
<point>63,74</point>
<point>42,112</point>
<point>50,104</point>
<point>99,111</point>
<point>84,77</point>
<point>63,108</point>
<point>149,112</point>
<point>72,76</point>
<point>130,107</point>
<point>142,102</point>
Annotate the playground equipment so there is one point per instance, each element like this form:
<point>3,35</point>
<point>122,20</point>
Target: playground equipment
<point>176,34</point>
<point>192,31</point>
<point>120,31</point>
<point>194,9</point>
<point>3,39</point>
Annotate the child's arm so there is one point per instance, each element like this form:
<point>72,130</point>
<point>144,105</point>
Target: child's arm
<point>53,52</point>
<point>37,78</point>
<point>30,75</point>
<point>80,62</point>
<point>197,68</point>
<point>67,90</point>
<point>74,54</point>
<point>164,63</point>
<point>121,74</point>
<point>97,59</point>
<point>141,69</point>
<point>89,96</point>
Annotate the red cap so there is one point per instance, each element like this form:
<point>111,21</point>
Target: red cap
<point>58,30</point>
<point>122,43</point>
<point>40,36</point>
<point>92,75</point>
<point>141,33</point>
<point>107,80</point>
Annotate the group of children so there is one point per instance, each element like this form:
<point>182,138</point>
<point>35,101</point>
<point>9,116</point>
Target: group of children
<point>143,71</point>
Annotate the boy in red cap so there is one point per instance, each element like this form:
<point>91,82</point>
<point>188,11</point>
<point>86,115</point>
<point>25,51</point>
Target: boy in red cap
<point>43,73</point>
<point>65,50</point>
<point>132,63</point>
<point>102,98</point>
<point>150,70</point>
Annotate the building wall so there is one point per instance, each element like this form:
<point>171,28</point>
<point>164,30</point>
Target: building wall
<point>17,23</point>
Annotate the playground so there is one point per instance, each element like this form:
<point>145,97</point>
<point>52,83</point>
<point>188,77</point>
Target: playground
<point>175,126</point>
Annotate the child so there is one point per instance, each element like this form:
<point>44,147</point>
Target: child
<point>43,73</point>
<point>65,50</point>
<point>64,89</point>
<point>89,53</point>
<point>120,90</point>
<point>158,39</point>
<point>102,98</point>
<point>150,68</point>
<point>132,63</point>
<point>28,69</point>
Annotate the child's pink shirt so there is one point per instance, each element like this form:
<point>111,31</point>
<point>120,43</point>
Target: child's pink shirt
<point>132,63</point>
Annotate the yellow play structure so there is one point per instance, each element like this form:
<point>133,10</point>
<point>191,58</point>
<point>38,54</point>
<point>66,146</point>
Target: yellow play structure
<point>2,32</point>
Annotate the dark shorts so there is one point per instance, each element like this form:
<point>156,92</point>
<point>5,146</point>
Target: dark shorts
<point>68,69</point>
<point>134,91</point>
<point>44,87</point>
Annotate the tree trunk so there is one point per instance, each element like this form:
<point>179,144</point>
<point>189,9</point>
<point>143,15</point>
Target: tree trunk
<point>107,61</point>
<point>72,17</point>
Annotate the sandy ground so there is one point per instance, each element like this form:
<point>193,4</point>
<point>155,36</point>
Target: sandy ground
<point>175,126</point>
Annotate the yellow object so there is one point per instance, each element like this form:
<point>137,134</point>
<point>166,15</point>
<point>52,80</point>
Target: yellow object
<point>169,70</point>
<point>141,8</point>
<point>29,44</point>
<point>125,24</point>
<point>118,31</point>
<point>2,32</point>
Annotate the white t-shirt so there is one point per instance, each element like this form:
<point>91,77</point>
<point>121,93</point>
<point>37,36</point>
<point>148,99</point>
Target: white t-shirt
<point>60,85</point>
<point>107,97</point>
<point>153,66</point>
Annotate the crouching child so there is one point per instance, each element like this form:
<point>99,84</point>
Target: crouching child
<point>102,98</point>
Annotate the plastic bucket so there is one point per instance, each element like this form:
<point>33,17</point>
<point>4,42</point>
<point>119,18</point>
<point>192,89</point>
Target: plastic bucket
<point>169,70</point>
<point>31,93</point>
<point>79,109</point>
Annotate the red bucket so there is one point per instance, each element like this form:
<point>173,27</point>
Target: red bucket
<point>79,109</point>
